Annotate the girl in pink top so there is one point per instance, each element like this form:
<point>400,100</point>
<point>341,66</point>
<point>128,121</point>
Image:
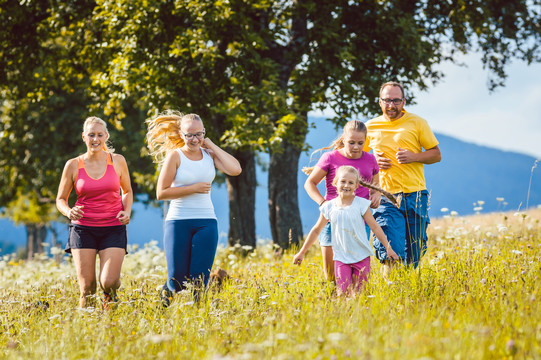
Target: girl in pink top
<point>346,150</point>
<point>101,213</point>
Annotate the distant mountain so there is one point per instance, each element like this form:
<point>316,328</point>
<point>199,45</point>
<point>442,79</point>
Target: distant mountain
<point>467,173</point>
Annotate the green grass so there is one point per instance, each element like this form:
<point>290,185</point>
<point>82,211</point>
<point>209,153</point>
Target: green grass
<point>475,296</point>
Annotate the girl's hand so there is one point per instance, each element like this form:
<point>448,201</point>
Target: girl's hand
<point>391,254</point>
<point>124,217</point>
<point>297,259</point>
<point>76,212</point>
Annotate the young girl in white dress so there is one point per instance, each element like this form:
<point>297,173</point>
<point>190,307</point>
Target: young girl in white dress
<point>350,245</point>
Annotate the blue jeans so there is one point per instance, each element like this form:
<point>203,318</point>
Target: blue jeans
<point>190,246</point>
<point>405,227</point>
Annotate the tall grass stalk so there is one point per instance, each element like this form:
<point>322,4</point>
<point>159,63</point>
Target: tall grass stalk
<point>477,297</point>
<point>530,183</point>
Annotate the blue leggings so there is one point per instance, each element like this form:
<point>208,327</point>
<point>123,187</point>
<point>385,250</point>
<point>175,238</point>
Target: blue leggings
<point>190,247</point>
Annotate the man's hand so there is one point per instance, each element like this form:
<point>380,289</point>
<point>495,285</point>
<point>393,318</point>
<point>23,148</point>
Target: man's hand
<point>404,156</point>
<point>375,199</point>
<point>383,162</point>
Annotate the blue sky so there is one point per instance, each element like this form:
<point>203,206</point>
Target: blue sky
<point>462,106</point>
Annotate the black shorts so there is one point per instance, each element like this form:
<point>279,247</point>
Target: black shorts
<point>97,237</point>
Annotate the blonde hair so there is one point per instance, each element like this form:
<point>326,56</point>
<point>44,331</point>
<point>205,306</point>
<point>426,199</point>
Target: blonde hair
<point>163,133</point>
<point>350,169</point>
<point>347,169</point>
<point>96,120</point>
<point>353,125</point>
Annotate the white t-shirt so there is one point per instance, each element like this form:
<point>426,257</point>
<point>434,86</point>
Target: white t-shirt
<point>348,232</point>
<point>197,205</point>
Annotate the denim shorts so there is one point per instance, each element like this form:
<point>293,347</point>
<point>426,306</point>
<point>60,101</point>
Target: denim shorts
<point>97,237</point>
<point>405,227</point>
<point>325,238</point>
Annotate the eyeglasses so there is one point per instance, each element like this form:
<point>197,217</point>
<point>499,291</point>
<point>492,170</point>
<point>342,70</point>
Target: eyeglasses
<point>198,135</point>
<point>396,101</point>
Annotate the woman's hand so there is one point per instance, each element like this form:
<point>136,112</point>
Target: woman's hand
<point>124,217</point>
<point>202,187</point>
<point>206,143</point>
<point>75,213</point>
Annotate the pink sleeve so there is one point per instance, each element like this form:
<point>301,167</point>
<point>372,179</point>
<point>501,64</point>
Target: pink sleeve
<point>376,166</point>
<point>324,161</point>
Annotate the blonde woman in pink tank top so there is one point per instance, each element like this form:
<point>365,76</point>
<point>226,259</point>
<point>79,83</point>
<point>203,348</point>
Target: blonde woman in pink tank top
<point>99,217</point>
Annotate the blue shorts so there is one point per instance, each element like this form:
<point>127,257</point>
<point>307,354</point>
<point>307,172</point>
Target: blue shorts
<point>405,227</point>
<point>325,238</point>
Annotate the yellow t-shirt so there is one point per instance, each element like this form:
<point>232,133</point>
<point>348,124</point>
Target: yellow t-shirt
<point>409,132</point>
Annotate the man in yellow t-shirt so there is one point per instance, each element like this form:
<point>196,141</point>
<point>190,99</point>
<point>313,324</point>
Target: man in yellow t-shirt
<point>397,139</point>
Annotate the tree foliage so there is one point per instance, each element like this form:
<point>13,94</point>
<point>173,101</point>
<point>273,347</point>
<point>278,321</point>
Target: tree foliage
<point>253,69</point>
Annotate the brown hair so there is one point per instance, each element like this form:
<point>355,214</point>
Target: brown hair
<point>392,83</point>
<point>163,133</point>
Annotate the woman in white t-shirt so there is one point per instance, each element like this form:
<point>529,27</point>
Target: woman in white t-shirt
<point>350,245</point>
<point>188,169</point>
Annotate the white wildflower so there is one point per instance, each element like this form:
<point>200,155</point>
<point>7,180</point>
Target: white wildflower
<point>157,338</point>
<point>335,337</point>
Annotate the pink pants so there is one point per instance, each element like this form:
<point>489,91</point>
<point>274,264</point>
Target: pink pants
<point>351,274</point>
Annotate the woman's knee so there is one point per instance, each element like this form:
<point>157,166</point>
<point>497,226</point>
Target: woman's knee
<point>109,282</point>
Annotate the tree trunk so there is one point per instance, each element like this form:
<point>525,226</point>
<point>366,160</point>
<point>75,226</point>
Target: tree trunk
<point>284,215</point>
<point>35,237</point>
<point>241,190</point>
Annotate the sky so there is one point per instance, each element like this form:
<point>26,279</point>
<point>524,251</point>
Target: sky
<point>461,106</point>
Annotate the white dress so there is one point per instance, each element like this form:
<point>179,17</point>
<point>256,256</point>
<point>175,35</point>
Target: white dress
<point>348,232</point>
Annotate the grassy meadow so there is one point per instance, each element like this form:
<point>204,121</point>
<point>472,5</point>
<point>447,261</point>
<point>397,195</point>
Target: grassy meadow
<point>476,295</point>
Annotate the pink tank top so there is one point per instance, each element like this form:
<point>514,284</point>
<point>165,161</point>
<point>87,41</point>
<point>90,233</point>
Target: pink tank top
<point>101,197</point>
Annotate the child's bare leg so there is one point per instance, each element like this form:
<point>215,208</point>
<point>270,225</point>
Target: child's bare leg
<point>328,262</point>
<point>388,267</point>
